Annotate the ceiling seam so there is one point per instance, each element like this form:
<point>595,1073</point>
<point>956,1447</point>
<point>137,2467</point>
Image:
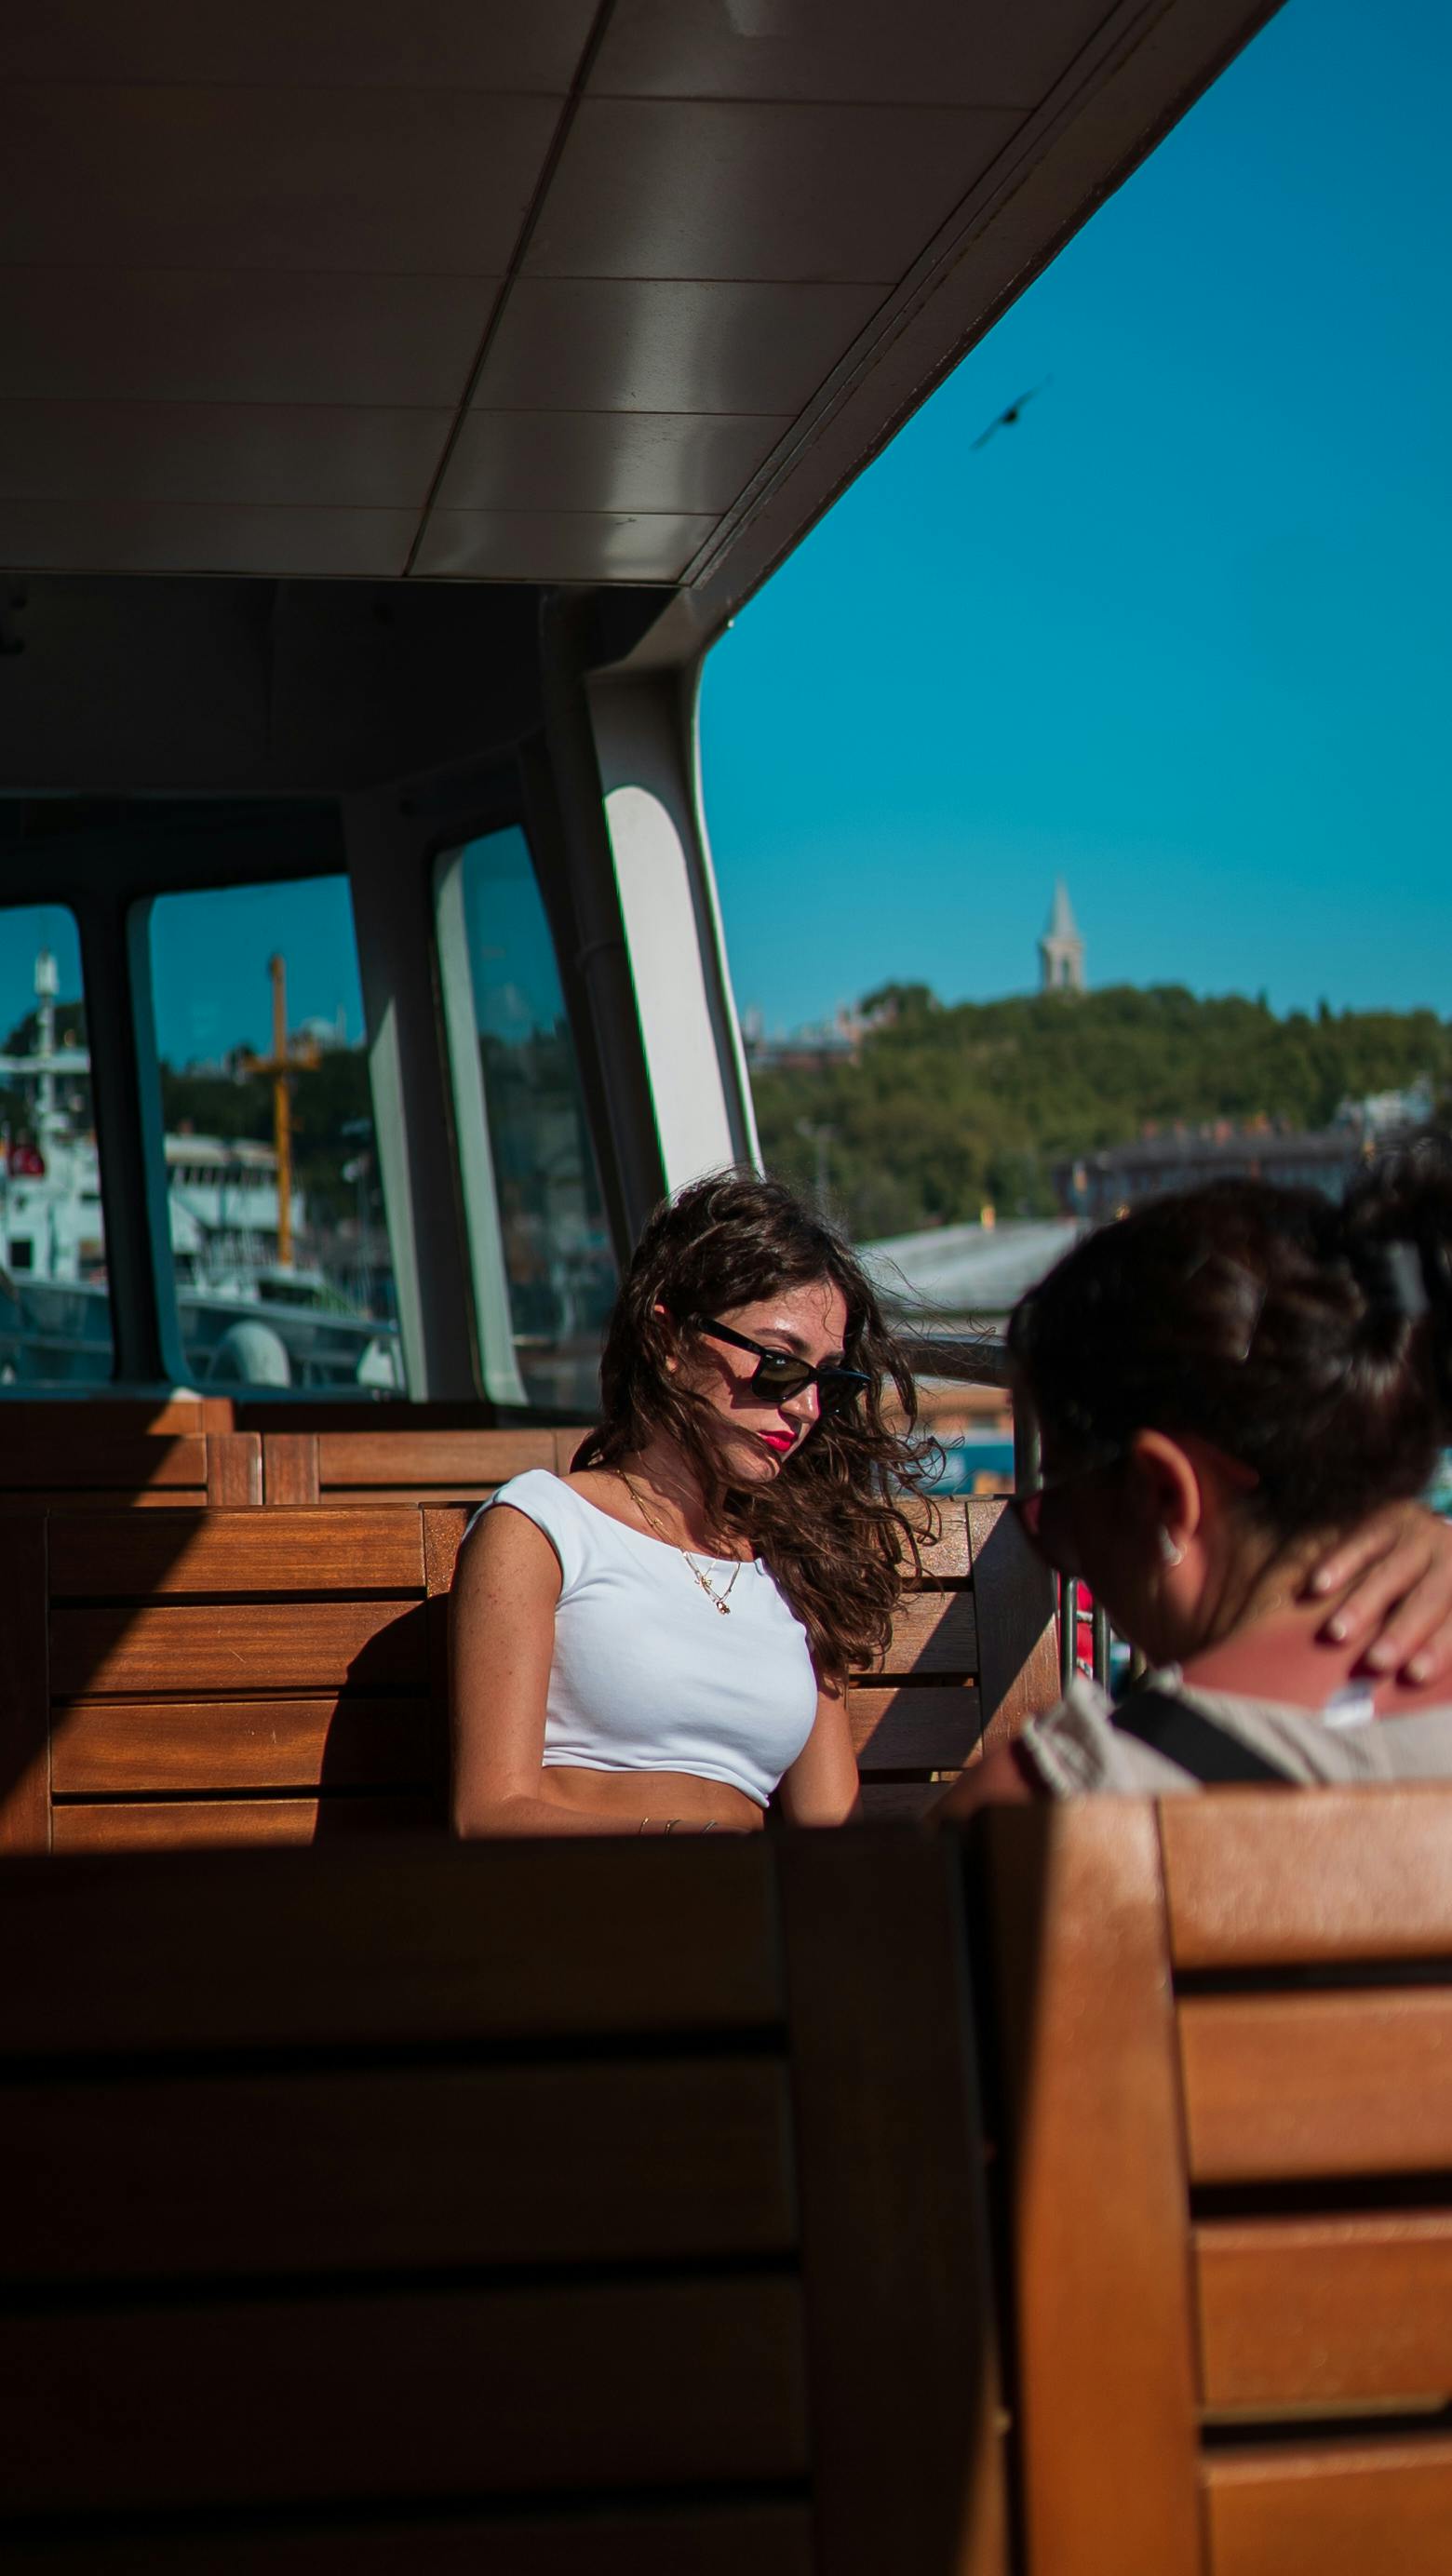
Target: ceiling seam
<point>550,164</point>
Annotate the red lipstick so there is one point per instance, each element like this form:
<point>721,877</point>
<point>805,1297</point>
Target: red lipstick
<point>779,1441</point>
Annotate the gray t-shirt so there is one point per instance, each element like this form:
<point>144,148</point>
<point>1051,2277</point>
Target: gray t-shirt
<point>1078,1751</point>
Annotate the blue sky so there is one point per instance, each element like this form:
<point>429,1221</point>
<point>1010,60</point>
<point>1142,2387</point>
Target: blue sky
<point>1184,634</point>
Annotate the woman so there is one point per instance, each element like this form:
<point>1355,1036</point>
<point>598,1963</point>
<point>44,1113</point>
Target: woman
<point>1232,1384</point>
<point>656,1641</point>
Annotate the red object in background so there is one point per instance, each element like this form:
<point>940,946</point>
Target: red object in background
<point>27,1163</point>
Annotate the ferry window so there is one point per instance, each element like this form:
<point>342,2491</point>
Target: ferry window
<point>279,1246</point>
<point>55,1307</point>
<point>544,1272</point>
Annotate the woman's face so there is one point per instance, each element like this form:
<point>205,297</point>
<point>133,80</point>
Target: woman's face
<point>760,1431</point>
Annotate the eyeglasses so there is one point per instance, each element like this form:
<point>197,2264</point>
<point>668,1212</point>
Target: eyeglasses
<point>1043,1523</point>
<point>780,1375</point>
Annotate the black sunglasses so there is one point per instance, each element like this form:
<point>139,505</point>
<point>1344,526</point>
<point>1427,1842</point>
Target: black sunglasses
<point>781,1375</point>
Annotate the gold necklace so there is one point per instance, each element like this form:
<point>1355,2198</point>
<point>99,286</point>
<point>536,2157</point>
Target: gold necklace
<point>719,1600</point>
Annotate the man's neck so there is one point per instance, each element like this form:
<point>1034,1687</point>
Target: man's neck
<point>1278,1653</point>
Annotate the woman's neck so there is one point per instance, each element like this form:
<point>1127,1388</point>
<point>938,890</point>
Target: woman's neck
<point>1279,1650</point>
<point>672,1489</point>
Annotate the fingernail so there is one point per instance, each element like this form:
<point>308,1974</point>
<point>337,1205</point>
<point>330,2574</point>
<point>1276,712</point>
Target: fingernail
<point>1378,1658</point>
<point>1336,1631</point>
<point>1419,1669</point>
<point>1320,1581</point>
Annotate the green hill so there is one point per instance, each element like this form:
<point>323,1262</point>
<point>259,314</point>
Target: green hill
<point>950,1108</point>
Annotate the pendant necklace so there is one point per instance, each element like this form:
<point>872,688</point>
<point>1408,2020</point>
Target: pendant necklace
<point>719,1600</point>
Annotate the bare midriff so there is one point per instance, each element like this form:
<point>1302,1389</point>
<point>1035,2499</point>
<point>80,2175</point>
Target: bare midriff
<point>658,1795</point>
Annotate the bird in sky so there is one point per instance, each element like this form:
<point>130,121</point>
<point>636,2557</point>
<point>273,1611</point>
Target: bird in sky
<point>1007,418</point>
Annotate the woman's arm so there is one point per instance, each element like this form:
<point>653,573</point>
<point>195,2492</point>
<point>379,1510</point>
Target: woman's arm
<point>821,1786</point>
<point>502,1636</point>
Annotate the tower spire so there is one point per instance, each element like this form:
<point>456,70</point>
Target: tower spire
<point>1061,950</point>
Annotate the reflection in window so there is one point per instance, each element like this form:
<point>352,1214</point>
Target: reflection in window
<point>279,1249</point>
<point>55,1306</point>
<point>545,1273</point>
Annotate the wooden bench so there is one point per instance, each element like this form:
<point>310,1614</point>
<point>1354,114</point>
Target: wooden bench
<point>973,1655</point>
<point>594,2209</point>
<point>110,1417</point>
<point>1225,2079</point>
<point>71,1461</point>
<point>242,1676</point>
<point>223,1676</point>
<point>391,1463</point>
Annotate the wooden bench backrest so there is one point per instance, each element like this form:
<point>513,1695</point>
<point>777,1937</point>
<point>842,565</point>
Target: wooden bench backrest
<point>436,2209</point>
<point>972,1656</point>
<point>393,1464</point>
<point>1227,2080</point>
<point>224,1676</point>
<point>70,1460</point>
<point>80,1419</point>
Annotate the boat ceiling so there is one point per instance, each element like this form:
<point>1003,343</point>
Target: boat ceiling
<point>524,290</point>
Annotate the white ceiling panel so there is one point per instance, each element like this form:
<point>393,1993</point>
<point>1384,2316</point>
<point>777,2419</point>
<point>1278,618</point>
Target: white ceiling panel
<point>239,335</point>
<point>585,344</point>
<point>150,537</point>
<point>716,189</point>
<point>205,452</point>
<point>269,178</point>
<point>989,53</point>
<point>605,460</point>
<point>474,44</point>
<point>559,545</point>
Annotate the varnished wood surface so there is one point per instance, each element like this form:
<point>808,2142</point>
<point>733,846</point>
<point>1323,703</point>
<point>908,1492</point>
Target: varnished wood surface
<point>933,1632</point>
<point>901,2341</point>
<point>1018,1655</point>
<point>447,2392</point>
<point>1366,1875</point>
<point>723,2538</point>
<point>1294,2086</point>
<point>925,1727</point>
<point>104,1748</point>
<point>168,1646</point>
<point>372,2170</point>
<point>1334,2508</point>
<point>1103,2324</point>
<point>1326,2310</point>
<point>222,1824</point>
<point>134,1556</point>
<point>447,1943</point>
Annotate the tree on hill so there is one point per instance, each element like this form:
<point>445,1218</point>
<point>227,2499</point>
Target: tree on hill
<point>949,1109</point>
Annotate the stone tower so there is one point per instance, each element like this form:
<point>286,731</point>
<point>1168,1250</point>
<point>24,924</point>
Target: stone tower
<point>1061,950</point>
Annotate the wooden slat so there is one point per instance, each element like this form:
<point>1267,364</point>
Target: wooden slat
<point>1286,2087</point>
<point>424,1944</point>
<point>1366,1875</point>
<point>894,2236</point>
<point>898,1802</point>
<point>24,1692</point>
<point>193,1646</point>
<point>377,2171</point>
<point>234,1469</point>
<point>946,1558</point>
<point>927,1727</point>
<point>109,1748</point>
<point>934,1633</point>
<point>101,1417</point>
<point>1103,2325</point>
<point>240,1824</point>
<point>1300,2311</point>
<point>66,1453</point>
<point>1363,2508</point>
<point>134,1556</point>
<point>290,1467</point>
<point>721,2538</point>
<point>396,2395</point>
<point>1018,1656</point>
<point>445,1458</point>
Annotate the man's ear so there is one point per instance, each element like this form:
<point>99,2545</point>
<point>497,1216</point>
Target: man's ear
<point>1171,1484</point>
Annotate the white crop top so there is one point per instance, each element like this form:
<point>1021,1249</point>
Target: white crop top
<point>646,1676</point>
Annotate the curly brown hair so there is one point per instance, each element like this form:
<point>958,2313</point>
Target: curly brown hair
<point>843,1522</point>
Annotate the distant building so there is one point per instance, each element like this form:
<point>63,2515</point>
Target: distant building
<point>1061,950</point>
<point>1099,1187</point>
